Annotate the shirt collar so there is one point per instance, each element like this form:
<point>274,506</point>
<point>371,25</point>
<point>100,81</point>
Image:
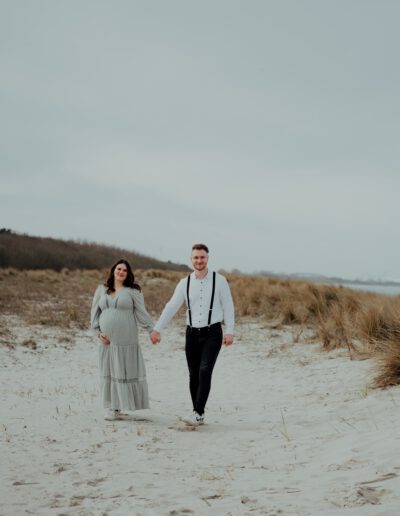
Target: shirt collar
<point>201,279</point>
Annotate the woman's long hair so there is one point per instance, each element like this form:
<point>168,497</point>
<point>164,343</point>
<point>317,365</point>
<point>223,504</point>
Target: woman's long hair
<point>128,282</point>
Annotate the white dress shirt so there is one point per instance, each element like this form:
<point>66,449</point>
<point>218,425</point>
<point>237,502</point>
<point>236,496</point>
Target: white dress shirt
<point>200,291</point>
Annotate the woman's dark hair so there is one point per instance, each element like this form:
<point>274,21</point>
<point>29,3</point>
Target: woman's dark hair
<point>129,280</point>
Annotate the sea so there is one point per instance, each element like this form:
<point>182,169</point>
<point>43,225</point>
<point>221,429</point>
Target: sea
<point>388,290</point>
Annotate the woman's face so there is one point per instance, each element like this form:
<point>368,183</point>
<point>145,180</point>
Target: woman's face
<point>120,272</point>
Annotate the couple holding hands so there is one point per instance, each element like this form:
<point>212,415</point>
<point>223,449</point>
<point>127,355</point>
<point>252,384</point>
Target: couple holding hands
<point>117,309</point>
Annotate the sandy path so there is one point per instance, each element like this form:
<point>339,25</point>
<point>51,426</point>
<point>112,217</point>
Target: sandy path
<point>290,431</point>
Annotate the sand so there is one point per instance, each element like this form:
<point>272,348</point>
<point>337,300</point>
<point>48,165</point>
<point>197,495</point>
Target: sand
<point>290,430</point>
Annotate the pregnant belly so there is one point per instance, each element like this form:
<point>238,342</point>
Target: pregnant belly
<point>117,326</point>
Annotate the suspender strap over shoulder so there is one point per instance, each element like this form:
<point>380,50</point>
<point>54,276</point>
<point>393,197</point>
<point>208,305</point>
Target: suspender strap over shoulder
<point>188,301</point>
<point>211,303</point>
<point>212,300</point>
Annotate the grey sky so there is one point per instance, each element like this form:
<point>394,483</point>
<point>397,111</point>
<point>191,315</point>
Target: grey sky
<point>267,129</point>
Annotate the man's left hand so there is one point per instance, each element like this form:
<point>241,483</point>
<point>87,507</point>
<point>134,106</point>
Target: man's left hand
<point>228,339</point>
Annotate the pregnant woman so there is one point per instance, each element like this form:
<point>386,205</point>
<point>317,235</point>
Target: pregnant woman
<point>117,309</point>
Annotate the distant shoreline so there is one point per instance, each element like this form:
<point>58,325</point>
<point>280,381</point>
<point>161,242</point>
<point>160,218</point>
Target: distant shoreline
<point>366,283</point>
<point>331,279</point>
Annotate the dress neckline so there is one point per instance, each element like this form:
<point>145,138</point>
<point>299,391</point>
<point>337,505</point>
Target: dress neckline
<point>116,294</point>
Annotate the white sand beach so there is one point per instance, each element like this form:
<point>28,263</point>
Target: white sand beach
<point>290,430</point>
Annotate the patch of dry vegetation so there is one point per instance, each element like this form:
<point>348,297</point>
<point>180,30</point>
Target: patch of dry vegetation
<point>367,324</point>
<point>47,297</point>
<point>388,360</point>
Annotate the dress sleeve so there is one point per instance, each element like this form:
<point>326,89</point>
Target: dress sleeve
<point>96,311</point>
<point>140,311</point>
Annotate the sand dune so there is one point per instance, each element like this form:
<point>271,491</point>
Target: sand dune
<point>290,431</point>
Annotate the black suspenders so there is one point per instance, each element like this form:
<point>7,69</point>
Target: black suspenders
<point>211,303</point>
<point>188,302</point>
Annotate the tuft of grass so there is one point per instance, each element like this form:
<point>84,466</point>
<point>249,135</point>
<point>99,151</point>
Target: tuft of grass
<point>284,430</point>
<point>380,322</point>
<point>29,343</point>
<point>388,360</point>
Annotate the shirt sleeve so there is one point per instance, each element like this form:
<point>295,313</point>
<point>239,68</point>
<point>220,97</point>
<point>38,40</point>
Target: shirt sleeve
<point>96,310</point>
<point>173,305</point>
<point>141,313</point>
<point>227,306</point>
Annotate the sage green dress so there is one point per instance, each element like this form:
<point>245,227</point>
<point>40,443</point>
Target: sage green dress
<point>123,383</point>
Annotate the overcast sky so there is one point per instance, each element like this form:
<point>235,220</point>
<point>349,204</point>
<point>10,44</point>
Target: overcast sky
<point>267,129</point>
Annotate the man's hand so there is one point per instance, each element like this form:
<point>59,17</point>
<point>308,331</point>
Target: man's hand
<point>155,337</point>
<point>228,339</point>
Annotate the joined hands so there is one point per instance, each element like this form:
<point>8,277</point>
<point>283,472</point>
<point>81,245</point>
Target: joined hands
<point>155,337</point>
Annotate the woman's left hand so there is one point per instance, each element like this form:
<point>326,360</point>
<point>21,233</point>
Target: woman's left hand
<point>104,339</point>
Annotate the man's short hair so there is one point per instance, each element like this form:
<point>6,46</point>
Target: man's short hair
<point>200,247</point>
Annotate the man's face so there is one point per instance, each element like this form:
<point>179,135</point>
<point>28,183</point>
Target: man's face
<point>199,259</point>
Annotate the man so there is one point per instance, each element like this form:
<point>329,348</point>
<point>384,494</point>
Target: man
<point>209,302</point>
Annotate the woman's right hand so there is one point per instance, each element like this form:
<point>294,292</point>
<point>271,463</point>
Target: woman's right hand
<point>104,339</point>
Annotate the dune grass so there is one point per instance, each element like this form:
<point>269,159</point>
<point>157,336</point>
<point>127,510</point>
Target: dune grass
<point>367,324</point>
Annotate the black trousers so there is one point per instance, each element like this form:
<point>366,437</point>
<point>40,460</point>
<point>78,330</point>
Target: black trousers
<point>202,348</point>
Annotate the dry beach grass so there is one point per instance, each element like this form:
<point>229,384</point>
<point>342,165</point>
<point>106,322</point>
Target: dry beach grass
<point>366,324</point>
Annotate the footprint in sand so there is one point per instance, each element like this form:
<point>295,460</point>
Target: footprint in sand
<point>76,500</point>
<point>96,481</point>
<point>347,465</point>
<point>182,428</point>
<point>130,417</point>
<point>61,467</point>
<point>56,502</point>
<point>360,495</point>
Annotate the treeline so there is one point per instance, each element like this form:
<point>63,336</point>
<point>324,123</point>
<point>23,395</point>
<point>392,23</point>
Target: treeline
<point>21,251</point>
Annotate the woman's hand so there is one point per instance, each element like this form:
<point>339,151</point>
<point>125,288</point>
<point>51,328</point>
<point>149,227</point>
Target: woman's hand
<point>104,339</point>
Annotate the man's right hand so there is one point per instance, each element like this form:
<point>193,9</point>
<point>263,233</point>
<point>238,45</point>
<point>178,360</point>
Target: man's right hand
<point>155,337</point>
